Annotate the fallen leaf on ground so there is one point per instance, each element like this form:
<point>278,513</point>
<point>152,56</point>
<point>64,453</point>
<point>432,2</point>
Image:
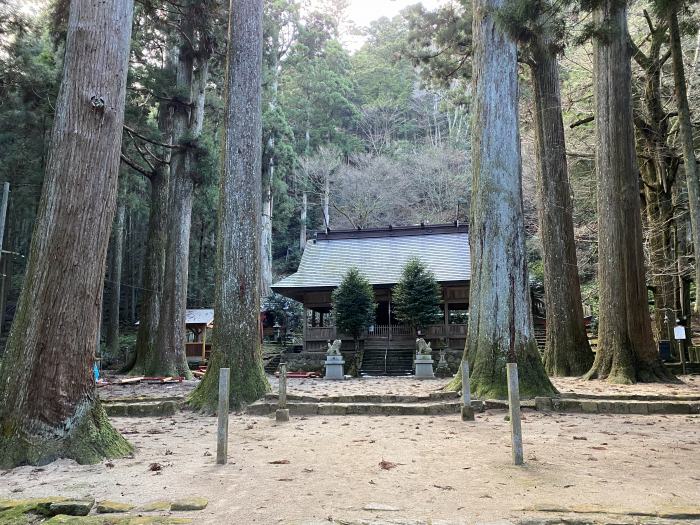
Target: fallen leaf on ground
<point>280,462</point>
<point>387,465</point>
<point>155,467</point>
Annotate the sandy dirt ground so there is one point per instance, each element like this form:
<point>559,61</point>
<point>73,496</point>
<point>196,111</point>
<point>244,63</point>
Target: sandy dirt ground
<point>444,469</point>
<point>690,386</point>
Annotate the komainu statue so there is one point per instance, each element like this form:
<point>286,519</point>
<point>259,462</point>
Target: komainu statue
<point>423,348</point>
<point>334,349</point>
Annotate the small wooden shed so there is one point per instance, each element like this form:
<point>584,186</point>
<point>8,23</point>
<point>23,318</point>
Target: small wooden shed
<point>198,322</point>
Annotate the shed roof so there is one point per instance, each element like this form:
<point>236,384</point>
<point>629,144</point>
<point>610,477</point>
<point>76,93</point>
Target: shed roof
<point>380,254</point>
<point>199,316</point>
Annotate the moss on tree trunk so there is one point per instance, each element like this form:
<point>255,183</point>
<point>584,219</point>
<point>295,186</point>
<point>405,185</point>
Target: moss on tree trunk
<point>86,437</point>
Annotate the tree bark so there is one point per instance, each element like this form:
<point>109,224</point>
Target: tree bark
<point>626,351</point>
<point>327,200</point>
<point>658,166</point>
<point>169,358</point>
<point>153,272</point>
<point>49,408</point>
<point>567,352</point>
<point>115,284</point>
<point>268,173</point>
<point>302,222</point>
<point>236,342</point>
<point>500,316</point>
<point>692,177</point>
<point>266,239</point>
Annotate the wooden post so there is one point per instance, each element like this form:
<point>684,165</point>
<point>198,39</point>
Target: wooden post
<point>204,344</point>
<point>467,410</point>
<point>282,412</point>
<point>222,433</point>
<point>282,399</point>
<point>514,407</point>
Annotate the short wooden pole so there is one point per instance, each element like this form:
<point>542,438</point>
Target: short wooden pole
<point>514,407</point>
<point>282,400</point>
<point>222,433</point>
<point>282,413</point>
<point>467,410</point>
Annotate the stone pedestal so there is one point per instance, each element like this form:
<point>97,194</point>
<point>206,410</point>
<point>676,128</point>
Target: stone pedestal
<point>424,369</point>
<point>282,415</point>
<point>334,367</point>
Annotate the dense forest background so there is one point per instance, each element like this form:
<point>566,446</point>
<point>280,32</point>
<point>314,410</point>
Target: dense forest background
<point>353,137</point>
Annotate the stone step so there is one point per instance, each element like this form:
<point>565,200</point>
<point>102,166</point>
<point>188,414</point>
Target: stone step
<point>369,398</point>
<point>677,368</point>
<point>373,409</point>
<point>630,397</point>
<point>448,403</point>
<point>142,409</point>
<point>601,406</point>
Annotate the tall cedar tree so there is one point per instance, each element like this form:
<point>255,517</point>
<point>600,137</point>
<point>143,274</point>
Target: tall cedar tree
<point>237,300</point>
<point>692,173</point>
<point>416,296</point>
<point>500,321</point>
<point>194,49</point>
<point>49,408</point>
<point>353,305</point>
<point>626,351</point>
<point>540,29</point>
<point>154,258</point>
<point>658,169</point>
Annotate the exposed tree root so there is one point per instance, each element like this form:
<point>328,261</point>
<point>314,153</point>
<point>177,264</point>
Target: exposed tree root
<point>89,439</point>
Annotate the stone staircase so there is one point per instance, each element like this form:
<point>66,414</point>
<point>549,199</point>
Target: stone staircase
<point>540,336</point>
<point>382,359</point>
<point>272,364</point>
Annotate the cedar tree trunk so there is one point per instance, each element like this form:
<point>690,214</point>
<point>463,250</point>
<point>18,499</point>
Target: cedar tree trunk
<point>115,285</point>
<point>658,166</point>
<point>500,316</point>
<point>692,176</point>
<point>302,221</point>
<point>626,351</point>
<point>169,358</point>
<point>236,342</point>
<point>266,238</point>
<point>49,408</point>
<point>567,352</point>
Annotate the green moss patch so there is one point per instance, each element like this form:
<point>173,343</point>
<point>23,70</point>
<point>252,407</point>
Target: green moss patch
<point>112,507</point>
<point>189,504</point>
<point>155,506</point>
<point>120,520</point>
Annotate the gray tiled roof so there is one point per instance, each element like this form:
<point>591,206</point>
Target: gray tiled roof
<point>380,259</point>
